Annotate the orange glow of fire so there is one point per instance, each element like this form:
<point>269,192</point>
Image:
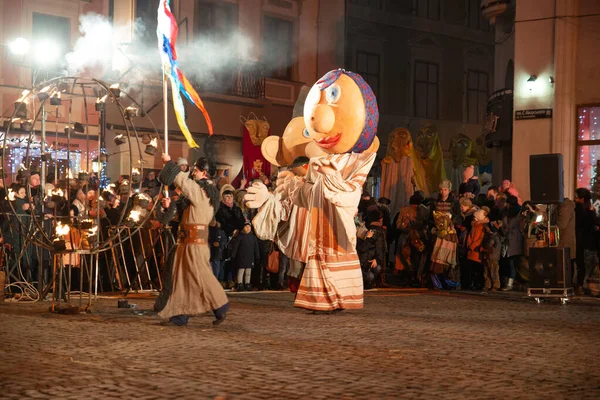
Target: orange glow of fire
<point>62,230</point>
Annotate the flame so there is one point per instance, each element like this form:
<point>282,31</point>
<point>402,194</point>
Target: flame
<point>21,166</point>
<point>134,215</point>
<point>49,192</point>
<point>143,196</point>
<point>115,86</point>
<point>11,194</point>
<point>61,229</point>
<point>153,143</point>
<point>57,192</point>
<point>101,99</point>
<point>135,171</point>
<point>93,230</point>
<point>24,98</point>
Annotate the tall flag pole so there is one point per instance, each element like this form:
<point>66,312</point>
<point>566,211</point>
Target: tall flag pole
<point>166,32</point>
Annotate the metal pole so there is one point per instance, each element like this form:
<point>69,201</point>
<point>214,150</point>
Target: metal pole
<point>165,109</point>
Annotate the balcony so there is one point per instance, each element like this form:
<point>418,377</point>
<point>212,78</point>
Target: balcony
<point>491,9</point>
<point>244,79</point>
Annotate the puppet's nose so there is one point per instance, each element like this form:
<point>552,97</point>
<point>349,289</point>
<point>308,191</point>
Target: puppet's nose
<point>323,118</point>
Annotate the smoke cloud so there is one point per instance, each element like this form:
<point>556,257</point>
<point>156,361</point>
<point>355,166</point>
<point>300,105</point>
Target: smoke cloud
<point>102,53</point>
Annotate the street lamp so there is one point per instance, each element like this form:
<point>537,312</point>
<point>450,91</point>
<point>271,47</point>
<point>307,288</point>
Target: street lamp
<point>46,53</point>
<point>531,82</point>
<point>19,46</point>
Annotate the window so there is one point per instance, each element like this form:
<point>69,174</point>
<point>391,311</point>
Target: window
<point>146,12</point>
<point>477,95</point>
<point>377,4</point>
<point>367,66</point>
<point>277,48</point>
<point>588,144</point>
<point>215,21</point>
<point>475,18</point>
<point>57,32</point>
<point>427,9</point>
<point>426,89</point>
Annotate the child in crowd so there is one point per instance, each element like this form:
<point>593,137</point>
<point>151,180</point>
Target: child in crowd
<point>217,239</point>
<point>246,255</point>
<point>492,245</point>
<point>472,277</point>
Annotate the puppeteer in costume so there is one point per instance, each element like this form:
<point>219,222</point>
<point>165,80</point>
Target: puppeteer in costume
<point>195,289</point>
<point>341,117</point>
<point>281,220</point>
<point>397,172</point>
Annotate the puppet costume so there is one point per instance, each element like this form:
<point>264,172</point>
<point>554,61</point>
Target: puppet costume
<point>332,277</point>
<point>429,160</point>
<point>397,171</point>
<point>195,289</point>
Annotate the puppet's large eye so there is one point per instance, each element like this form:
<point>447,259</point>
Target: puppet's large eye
<point>332,94</point>
<point>305,133</point>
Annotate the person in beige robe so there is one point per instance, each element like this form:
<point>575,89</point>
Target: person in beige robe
<point>195,290</point>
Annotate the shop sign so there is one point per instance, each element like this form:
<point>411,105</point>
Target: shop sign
<point>533,114</point>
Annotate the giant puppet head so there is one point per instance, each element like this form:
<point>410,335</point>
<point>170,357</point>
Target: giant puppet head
<point>399,145</point>
<point>341,114</point>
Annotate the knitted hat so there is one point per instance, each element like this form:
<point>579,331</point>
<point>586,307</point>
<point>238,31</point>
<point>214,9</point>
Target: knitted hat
<point>446,184</point>
<point>372,111</point>
<point>181,161</point>
<point>479,215</point>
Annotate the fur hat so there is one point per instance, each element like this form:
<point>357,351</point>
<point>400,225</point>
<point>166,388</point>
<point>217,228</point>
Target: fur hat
<point>182,161</point>
<point>446,184</point>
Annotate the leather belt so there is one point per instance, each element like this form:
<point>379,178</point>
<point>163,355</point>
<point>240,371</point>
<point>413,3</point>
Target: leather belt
<point>193,234</point>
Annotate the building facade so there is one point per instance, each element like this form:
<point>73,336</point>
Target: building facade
<point>428,61</point>
<point>550,44</point>
<point>271,47</point>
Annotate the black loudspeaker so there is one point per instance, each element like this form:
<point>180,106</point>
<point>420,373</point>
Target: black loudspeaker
<point>546,178</point>
<point>550,267</point>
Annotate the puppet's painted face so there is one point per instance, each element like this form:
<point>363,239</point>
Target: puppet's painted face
<point>335,117</point>
<point>425,141</point>
<point>399,144</point>
<point>257,130</point>
<point>460,147</point>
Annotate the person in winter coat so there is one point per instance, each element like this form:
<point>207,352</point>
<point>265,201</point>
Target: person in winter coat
<point>512,229</point>
<point>245,255</point>
<point>231,219</point>
<point>217,240</point>
<point>472,270</point>
<point>372,249</point>
<point>492,244</point>
<point>470,186</point>
<point>566,228</point>
<point>586,228</point>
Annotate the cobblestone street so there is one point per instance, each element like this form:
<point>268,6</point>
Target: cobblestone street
<point>404,344</point>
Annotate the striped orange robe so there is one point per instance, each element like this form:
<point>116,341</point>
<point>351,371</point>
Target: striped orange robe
<point>332,278</point>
